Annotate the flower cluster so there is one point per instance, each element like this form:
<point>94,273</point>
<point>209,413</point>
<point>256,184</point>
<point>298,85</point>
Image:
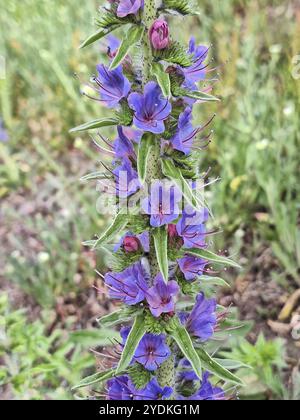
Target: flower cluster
<point>163,253</point>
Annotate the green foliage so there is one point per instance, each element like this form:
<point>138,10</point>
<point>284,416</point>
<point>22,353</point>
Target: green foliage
<point>93,125</point>
<point>160,236</point>
<point>162,78</point>
<point>36,364</point>
<point>175,54</point>
<point>183,7</point>
<point>139,376</point>
<point>145,147</point>
<point>267,359</point>
<point>132,37</point>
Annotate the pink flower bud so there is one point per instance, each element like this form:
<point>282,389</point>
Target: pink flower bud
<point>159,34</point>
<point>131,244</point>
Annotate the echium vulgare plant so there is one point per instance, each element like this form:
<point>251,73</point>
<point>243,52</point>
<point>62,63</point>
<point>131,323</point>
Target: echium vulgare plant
<point>161,267</point>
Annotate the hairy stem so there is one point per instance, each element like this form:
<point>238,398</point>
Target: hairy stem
<point>166,372</point>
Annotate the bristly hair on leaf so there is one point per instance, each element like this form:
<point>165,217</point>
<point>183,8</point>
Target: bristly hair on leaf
<point>176,54</point>
<point>109,19</point>
<point>183,7</point>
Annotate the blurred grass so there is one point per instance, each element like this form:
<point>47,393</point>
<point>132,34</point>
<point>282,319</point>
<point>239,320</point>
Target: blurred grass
<point>45,213</point>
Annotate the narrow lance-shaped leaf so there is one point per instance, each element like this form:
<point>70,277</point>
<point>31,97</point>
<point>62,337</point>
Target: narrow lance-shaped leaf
<point>210,256</point>
<point>163,79</point>
<point>214,281</point>
<point>160,236</point>
<point>95,379</point>
<point>214,367</point>
<point>93,125</point>
<point>119,223</point>
<point>184,341</point>
<point>133,36</point>
<point>96,37</point>
<point>114,318</point>
<point>174,173</point>
<point>144,150</point>
<point>201,96</point>
<point>136,334</point>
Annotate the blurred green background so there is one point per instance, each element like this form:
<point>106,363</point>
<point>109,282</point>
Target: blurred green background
<point>48,304</point>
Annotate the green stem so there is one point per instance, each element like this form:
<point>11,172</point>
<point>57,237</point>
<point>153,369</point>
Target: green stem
<point>166,372</point>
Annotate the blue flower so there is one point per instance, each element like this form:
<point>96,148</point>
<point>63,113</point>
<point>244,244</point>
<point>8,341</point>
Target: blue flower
<point>161,296</point>
<point>183,139</point>
<point>113,85</point>
<point>192,229</point>
<point>113,45</point>
<point>128,286</point>
<point>154,392</point>
<point>123,147</point>
<point>152,350</point>
<point>207,392</point>
<point>163,203</point>
<point>3,133</point>
<point>129,7</point>
<point>150,109</point>
<point>197,71</point>
<point>191,267</point>
<point>127,181</point>
<point>202,320</point>
<point>119,389</point>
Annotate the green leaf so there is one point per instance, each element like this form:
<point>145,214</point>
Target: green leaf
<point>210,256</point>
<point>183,7</point>
<point>95,37</point>
<point>119,223</point>
<point>160,236</point>
<point>95,379</point>
<point>214,367</point>
<point>214,281</point>
<point>174,173</point>
<point>231,364</point>
<point>184,341</point>
<point>136,334</point>
<point>176,53</point>
<point>93,175</point>
<point>162,78</point>
<point>92,125</point>
<point>114,318</point>
<point>133,36</point>
<point>144,150</point>
<point>200,96</point>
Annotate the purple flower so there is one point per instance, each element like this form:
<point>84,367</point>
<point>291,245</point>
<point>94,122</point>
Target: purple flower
<point>133,135</point>
<point>119,389</point>
<point>150,109</point>
<point>159,34</point>
<point>154,392</point>
<point>113,45</point>
<point>183,139</point>
<point>113,85</point>
<point>197,71</point>
<point>152,351</point>
<point>123,147</point>
<point>207,391</point>
<point>186,372</point>
<point>129,7</point>
<point>132,243</point>
<point>3,133</point>
<point>191,267</point>
<point>161,296</point>
<point>192,229</point>
<point>127,181</point>
<point>202,320</point>
<point>163,203</point>
<point>128,286</point>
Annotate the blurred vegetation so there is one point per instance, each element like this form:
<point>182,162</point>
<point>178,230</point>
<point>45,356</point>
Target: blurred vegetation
<point>46,213</point>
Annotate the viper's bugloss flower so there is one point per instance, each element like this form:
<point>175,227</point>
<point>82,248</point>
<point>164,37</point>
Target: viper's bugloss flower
<point>133,243</point>
<point>129,7</point>
<point>154,392</point>
<point>183,139</point>
<point>128,286</point>
<point>150,108</point>
<point>202,320</point>
<point>123,147</point>
<point>191,267</point>
<point>207,392</point>
<point>192,229</point>
<point>197,71</point>
<point>152,351</point>
<point>120,388</point>
<point>159,34</point>
<point>113,44</point>
<point>161,297</point>
<point>3,133</point>
<point>127,181</point>
<point>113,85</point>
<point>163,204</point>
